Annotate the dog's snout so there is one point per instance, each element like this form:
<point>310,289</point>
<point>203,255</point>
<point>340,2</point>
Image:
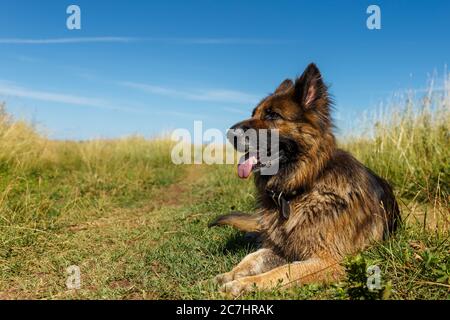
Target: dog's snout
<point>236,134</point>
<point>237,131</point>
<point>240,127</point>
<point>233,135</point>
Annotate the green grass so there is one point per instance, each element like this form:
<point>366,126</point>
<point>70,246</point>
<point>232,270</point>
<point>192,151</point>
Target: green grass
<point>415,263</point>
<point>136,224</point>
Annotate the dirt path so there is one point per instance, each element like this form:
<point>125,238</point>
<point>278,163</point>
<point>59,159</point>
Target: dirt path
<point>110,250</point>
<point>179,193</point>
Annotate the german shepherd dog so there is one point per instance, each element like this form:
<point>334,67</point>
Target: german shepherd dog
<point>320,206</point>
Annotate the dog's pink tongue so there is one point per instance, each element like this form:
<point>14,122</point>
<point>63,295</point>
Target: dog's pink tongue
<point>245,166</point>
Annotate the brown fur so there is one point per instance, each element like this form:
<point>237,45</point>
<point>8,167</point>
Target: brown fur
<point>239,221</point>
<point>342,207</point>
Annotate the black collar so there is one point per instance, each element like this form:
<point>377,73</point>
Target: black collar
<point>282,200</point>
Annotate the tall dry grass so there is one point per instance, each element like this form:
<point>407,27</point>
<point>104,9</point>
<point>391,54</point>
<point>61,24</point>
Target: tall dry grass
<point>409,145</point>
<point>21,147</point>
<point>45,184</point>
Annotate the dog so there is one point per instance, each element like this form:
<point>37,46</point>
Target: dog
<point>319,207</point>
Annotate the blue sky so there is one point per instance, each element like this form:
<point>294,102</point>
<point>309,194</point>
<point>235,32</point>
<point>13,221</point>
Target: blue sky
<point>140,67</point>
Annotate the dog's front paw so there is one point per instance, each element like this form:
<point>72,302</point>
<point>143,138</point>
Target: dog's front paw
<point>223,278</point>
<point>235,288</point>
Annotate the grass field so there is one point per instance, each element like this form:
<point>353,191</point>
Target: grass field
<point>136,224</point>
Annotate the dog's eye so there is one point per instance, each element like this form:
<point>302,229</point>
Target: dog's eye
<point>271,115</point>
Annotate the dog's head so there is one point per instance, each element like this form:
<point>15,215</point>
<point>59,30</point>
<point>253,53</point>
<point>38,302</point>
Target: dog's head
<point>299,111</point>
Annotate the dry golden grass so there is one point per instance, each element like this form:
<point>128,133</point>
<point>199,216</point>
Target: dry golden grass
<point>410,146</point>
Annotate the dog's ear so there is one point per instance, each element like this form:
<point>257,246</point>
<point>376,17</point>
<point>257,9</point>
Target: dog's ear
<point>309,87</point>
<point>286,84</point>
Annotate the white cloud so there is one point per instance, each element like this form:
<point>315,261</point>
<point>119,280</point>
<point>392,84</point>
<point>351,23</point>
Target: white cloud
<point>167,40</point>
<point>66,40</point>
<point>12,90</point>
<point>9,89</point>
<point>213,95</point>
<point>27,59</point>
<point>220,41</point>
<point>238,111</point>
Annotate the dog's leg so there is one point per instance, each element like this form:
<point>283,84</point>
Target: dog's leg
<point>257,262</point>
<point>241,221</point>
<point>314,270</point>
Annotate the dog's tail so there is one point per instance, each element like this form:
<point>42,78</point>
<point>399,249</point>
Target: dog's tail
<point>238,220</point>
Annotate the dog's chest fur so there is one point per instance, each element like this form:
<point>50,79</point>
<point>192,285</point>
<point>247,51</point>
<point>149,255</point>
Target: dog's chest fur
<point>342,213</point>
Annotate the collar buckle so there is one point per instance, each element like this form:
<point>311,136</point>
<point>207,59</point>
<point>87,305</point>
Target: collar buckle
<point>281,202</point>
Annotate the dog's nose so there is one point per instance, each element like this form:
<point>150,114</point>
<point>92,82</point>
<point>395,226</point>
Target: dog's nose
<point>240,126</point>
<point>233,134</point>
<point>236,133</point>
